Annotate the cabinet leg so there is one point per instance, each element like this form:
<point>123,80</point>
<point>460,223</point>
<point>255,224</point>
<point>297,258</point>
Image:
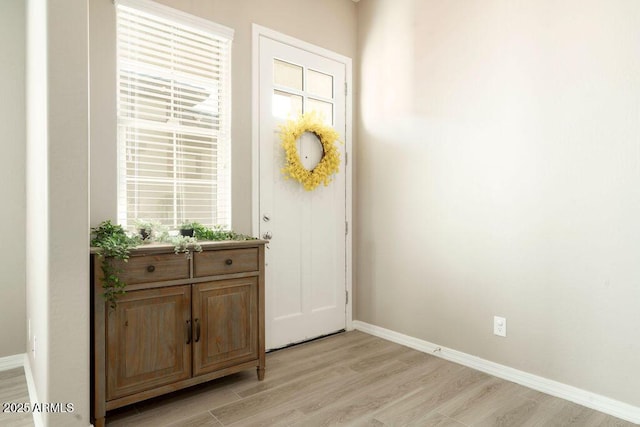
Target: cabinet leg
<point>260,373</point>
<point>99,422</point>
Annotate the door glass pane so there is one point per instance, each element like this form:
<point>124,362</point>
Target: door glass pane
<point>320,84</point>
<point>287,75</point>
<point>286,105</point>
<point>324,109</point>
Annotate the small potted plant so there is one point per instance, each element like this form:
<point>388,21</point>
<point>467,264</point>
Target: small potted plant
<point>187,227</point>
<point>145,228</point>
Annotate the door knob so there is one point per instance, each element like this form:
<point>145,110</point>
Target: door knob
<point>267,235</point>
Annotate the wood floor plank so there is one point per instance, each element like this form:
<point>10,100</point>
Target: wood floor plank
<point>13,389</point>
<point>177,407</point>
<point>604,420</point>
<point>435,419</point>
<point>446,384</point>
<point>369,422</point>
<point>574,415</point>
<point>350,388</point>
<point>260,402</point>
<point>275,417</point>
<point>383,394</point>
<point>16,420</point>
<point>300,406</point>
<point>558,412</point>
<point>516,412</point>
<point>367,362</point>
<point>204,419</point>
<point>337,357</point>
<point>323,347</point>
<point>479,401</point>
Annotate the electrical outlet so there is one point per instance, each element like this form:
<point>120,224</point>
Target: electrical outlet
<point>499,326</point>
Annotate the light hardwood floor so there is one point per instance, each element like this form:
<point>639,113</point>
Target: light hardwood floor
<point>348,379</point>
<point>13,389</point>
<point>359,380</point>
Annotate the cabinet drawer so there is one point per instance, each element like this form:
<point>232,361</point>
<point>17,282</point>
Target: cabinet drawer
<point>154,268</point>
<point>211,263</point>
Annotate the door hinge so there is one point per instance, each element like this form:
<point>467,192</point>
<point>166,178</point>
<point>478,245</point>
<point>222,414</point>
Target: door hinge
<point>346,228</point>
<point>346,297</point>
<point>346,158</point>
<point>346,92</point>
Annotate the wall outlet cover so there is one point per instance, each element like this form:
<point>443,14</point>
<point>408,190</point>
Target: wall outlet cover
<point>499,326</point>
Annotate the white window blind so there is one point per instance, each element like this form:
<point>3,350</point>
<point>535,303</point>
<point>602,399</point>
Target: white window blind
<point>173,116</point>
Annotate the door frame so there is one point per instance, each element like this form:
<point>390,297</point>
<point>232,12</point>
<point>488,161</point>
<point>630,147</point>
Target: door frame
<point>260,31</point>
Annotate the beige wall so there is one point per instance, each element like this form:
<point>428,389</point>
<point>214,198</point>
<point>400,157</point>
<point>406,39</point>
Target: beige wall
<point>37,233</point>
<point>12,176</point>
<point>57,213</point>
<point>498,174</point>
<point>328,23</point>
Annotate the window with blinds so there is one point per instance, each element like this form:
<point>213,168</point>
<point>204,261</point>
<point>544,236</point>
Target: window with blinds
<point>173,116</point>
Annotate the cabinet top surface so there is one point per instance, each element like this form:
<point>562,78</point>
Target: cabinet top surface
<point>157,248</point>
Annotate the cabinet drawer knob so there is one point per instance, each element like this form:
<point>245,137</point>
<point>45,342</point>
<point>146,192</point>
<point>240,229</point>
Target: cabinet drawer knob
<point>229,261</point>
<point>151,268</point>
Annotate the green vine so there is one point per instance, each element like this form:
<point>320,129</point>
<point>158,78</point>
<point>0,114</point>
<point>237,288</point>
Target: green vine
<point>217,233</point>
<point>184,244</point>
<point>114,244</point>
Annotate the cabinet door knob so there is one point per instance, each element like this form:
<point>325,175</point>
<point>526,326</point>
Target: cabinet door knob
<point>151,268</point>
<point>189,332</point>
<point>229,261</point>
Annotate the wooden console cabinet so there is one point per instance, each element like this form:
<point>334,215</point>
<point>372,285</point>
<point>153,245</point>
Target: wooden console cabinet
<point>181,322</point>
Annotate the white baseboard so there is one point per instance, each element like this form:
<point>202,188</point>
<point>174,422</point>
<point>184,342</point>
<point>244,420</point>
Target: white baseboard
<point>595,401</point>
<point>38,419</point>
<point>12,362</point>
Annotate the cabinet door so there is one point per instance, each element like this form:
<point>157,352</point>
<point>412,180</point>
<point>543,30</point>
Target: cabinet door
<point>148,337</point>
<point>225,317</point>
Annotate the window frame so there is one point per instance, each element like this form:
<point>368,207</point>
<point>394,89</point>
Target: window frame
<point>221,179</point>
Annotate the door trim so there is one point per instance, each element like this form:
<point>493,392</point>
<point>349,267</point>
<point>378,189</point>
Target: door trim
<point>260,31</point>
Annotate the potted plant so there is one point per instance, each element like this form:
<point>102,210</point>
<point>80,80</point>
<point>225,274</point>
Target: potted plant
<point>187,228</point>
<point>147,229</point>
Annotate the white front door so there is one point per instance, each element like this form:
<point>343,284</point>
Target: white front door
<point>306,256</point>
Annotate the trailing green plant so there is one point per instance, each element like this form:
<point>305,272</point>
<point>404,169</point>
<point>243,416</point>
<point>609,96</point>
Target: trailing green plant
<point>199,230</point>
<point>184,244</point>
<point>218,232</point>
<point>115,245</point>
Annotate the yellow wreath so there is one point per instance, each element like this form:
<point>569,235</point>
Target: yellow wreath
<point>329,163</point>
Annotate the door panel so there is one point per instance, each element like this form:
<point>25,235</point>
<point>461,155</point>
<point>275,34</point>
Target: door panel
<point>147,340</point>
<point>225,323</point>
<point>305,273</point>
